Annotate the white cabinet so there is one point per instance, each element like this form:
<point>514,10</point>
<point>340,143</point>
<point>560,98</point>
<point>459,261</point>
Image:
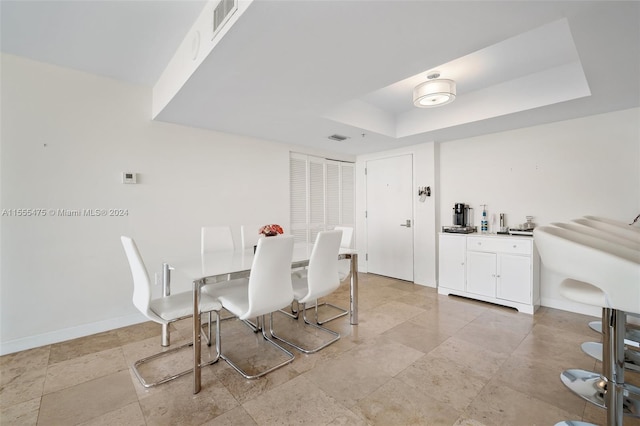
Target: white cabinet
<point>495,268</point>
<point>452,262</point>
<point>481,277</point>
<point>513,270</point>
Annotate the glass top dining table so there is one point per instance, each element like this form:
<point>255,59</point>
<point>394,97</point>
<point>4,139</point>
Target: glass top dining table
<point>217,267</point>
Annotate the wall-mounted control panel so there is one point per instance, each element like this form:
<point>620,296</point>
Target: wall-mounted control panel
<point>129,177</point>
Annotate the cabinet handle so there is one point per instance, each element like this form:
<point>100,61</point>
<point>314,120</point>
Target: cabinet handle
<point>515,246</point>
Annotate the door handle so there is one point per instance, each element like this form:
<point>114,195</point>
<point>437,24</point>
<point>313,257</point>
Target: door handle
<point>408,224</point>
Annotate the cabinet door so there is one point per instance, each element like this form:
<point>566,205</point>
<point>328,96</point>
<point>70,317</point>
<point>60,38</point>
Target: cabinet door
<point>481,273</point>
<point>452,259</point>
<point>514,278</point>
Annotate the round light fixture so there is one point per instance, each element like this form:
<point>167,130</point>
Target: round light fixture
<point>433,93</point>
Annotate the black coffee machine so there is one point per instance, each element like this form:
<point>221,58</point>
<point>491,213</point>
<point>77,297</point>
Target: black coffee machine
<point>460,214</point>
<point>462,220</point>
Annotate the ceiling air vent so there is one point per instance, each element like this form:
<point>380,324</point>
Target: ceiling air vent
<point>222,13</point>
<point>338,138</point>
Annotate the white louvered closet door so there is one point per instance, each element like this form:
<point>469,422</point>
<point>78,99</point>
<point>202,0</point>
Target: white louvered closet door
<point>333,194</point>
<point>298,194</point>
<point>322,195</point>
<point>316,197</point>
<point>347,195</point>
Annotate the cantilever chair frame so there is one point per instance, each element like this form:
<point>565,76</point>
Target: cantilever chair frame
<point>135,262</point>
<point>165,379</point>
<point>347,236</point>
<point>323,265</point>
<point>263,264</point>
<point>217,238</point>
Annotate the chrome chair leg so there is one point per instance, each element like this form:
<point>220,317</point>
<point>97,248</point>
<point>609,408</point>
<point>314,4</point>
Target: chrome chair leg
<point>255,327</point>
<point>165,379</point>
<point>290,356</point>
<point>298,346</point>
<point>294,311</point>
<point>341,314</point>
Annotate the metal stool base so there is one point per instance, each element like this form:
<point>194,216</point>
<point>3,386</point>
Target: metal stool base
<point>631,358</point>
<point>631,338</point>
<point>592,387</point>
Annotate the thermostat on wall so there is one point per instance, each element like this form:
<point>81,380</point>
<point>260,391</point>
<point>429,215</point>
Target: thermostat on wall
<point>129,177</point>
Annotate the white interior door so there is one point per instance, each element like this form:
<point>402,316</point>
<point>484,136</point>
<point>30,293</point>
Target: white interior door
<point>390,217</point>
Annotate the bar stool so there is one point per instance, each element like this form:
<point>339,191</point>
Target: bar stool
<point>630,240</point>
<point>601,273</point>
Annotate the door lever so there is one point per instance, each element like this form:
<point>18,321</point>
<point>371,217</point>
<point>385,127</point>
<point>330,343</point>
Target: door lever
<point>408,224</point>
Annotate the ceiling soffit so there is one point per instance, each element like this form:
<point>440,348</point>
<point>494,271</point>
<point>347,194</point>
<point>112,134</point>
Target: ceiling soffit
<point>537,68</point>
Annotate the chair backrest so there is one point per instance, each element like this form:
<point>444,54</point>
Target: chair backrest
<point>248,237</point>
<point>322,274</point>
<point>216,238</point>
<point>141,282</point>
<point>344,266</point>
<point>347,236</point>
<point>270,285</point>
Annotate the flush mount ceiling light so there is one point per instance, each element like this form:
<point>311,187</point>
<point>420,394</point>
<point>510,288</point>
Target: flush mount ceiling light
<point>337,137</point>
<point>434,92</point>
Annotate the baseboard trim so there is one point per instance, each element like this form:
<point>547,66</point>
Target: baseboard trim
<point>58,336</point>
<point>567,305</point>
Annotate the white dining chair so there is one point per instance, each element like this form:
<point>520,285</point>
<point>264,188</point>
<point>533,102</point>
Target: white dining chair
<point>216,238</point>
<point>344,269</point>
<point>248,237</point>
<point>344,266</point>
<point>321,280</point>
<point>165,310</point>
<point>267,289</point>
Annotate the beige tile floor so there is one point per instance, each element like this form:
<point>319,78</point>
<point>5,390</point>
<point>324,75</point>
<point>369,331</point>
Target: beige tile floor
<point>416,358</point>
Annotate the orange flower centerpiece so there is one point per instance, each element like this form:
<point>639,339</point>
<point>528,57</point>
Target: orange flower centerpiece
<point>270,230</point>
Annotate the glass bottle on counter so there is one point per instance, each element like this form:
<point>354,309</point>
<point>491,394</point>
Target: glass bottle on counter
<point>484,224</point>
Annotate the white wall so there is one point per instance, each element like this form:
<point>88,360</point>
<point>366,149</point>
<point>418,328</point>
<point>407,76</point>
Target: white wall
<point>554,172</point>
<point>64,277</point>
<point>66,137</point>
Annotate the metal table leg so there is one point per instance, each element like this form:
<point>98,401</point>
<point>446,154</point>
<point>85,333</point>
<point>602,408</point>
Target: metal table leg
<point>196,336</point>
<point>353,304</point>
<point>166,291</point>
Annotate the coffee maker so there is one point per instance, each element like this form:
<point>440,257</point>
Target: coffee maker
<point>460,214</point>
<point>462,220</point>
